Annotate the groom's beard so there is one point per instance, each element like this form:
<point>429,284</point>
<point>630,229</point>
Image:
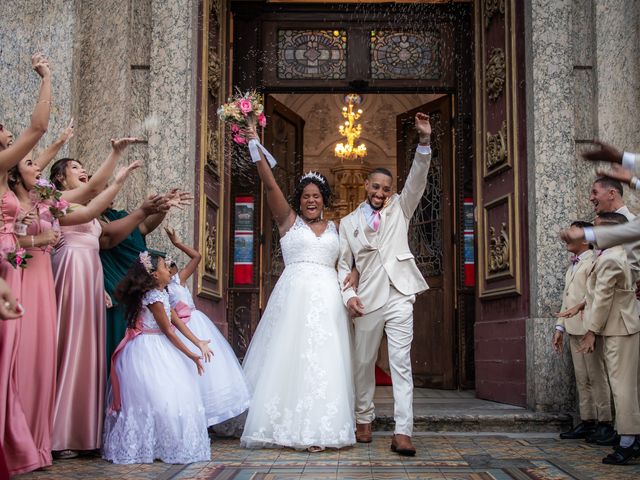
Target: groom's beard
<point>373,206</point>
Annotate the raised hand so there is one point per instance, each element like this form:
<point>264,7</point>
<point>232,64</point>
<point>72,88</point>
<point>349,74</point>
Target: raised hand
<point>124,172</point>
<point>617,172</point>
<point>154,204</point>
<point>606,153</point>
<point>41,65</point>
<point>67,134</point>
<point>173,236</point>
<point>178,199</point>
<point>118,145</point>
<point>423,126</point>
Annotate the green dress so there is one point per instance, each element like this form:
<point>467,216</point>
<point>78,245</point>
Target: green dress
<point>115,263</point>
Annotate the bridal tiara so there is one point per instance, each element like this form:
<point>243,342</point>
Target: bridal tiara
<point>312,174</point>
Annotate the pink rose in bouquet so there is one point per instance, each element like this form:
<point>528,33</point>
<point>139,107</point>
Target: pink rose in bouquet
<point>245,106</point>
<point>262,120</point>
<point>46,194</point>
<point>18,258</point>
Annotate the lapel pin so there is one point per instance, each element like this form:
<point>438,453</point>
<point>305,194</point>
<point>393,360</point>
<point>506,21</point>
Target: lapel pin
<point>356,232</point>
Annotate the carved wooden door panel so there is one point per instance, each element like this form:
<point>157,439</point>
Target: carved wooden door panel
<point>284,139</point>
<point>500,198</point>
<point>433,350</point>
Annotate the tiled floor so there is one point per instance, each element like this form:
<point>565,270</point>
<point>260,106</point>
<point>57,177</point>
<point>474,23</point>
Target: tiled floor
<point>452,456</point>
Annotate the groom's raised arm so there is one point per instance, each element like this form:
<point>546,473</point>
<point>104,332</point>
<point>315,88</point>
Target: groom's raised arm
<point>345,262</point>
<point>417,179</point>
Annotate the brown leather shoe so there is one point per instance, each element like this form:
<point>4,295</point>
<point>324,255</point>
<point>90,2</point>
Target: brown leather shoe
<point>401,444</point>
<point>363,433</point>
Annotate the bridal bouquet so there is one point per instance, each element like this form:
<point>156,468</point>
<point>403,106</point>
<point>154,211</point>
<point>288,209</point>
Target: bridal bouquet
<point>45,193</point>
<point>238,109</point>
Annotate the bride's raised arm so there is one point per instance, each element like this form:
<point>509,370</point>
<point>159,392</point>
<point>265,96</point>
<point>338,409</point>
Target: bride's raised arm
<point>282,212</point>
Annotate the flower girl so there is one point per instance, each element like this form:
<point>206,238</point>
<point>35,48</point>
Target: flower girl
<point>223,387</point>
<point>155,408</point>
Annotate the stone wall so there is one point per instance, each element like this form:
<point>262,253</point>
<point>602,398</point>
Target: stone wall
<point>583,83</point>
<point>115,62</point>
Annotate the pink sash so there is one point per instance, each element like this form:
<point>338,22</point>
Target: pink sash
<point>184,311</point>
<point>129,335</point>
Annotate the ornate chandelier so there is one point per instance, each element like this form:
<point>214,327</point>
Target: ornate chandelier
<point>348,151</point>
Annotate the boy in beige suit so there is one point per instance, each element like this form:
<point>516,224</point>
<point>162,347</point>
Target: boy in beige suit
<point>611,314</point>
<point>590,372</point>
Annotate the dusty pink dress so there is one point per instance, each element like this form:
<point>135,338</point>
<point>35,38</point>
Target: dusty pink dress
<point>81,364</point>
<point>36,373</point>
<point>17,443</point>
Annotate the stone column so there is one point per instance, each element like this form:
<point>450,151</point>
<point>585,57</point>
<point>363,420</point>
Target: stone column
<point>552,198</point>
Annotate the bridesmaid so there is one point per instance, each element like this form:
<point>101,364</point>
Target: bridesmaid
<point>36,355</point>
<point>17,442</point>
<point>81,362</point>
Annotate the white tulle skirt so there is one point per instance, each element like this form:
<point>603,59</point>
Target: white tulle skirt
<point>223,387</point>
<point>162,416</point>
<point>299,365</point>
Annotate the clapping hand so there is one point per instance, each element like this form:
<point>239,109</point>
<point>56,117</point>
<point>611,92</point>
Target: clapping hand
<point>572,234</point>
<point>606,153</point>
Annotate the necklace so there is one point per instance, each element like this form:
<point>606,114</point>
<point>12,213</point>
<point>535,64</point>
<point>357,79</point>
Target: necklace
<point>311,220</point>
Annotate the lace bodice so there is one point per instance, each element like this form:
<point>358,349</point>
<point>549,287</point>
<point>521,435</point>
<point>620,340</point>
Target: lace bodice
<point>148,321</point>
<point>178,293</point>
<point>301,245</point>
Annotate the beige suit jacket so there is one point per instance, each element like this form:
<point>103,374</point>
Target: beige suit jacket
<point>575,289</point>
<point>611,308</point>
<point>383,258</point>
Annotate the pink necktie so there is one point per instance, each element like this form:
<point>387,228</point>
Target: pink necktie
<point>376,219</point>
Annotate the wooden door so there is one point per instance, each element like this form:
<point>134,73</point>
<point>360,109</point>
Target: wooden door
<point>430,238</point>
<point>284,139</point>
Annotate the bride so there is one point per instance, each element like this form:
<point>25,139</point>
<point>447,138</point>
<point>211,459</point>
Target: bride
<point>299,361</point>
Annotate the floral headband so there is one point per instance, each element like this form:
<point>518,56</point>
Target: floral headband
<point>168,260</point>
<point>312,175</point>
<point>145,260</point>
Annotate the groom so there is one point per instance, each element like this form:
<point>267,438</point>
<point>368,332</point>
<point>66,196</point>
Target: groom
<point>375,237</point>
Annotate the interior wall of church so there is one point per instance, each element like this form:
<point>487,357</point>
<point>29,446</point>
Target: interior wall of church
<point>583,67</point>
<point>115,63</point>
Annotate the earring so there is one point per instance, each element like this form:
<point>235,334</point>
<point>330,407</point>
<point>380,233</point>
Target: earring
<point>322,214</point>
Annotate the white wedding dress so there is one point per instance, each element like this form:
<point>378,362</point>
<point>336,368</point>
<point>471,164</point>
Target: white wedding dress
<point>298,364</point>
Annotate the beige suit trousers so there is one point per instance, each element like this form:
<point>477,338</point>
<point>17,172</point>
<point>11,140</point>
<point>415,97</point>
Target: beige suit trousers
<point>592,382</point>
<point>395,318</point>
<point>621,357</point>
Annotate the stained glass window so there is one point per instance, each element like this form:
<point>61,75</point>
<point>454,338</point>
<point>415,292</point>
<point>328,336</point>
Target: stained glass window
<point>318,54</point>
<point>405,55</point>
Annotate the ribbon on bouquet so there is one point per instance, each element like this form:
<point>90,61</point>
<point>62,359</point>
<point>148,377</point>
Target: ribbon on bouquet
<point>254,145</point>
